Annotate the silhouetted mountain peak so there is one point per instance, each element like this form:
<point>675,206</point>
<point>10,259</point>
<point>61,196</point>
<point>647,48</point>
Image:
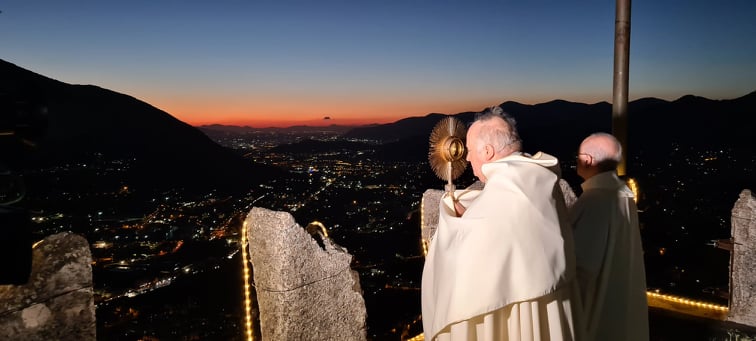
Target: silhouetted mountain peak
<point>87,121</point>
<point>688,99</point>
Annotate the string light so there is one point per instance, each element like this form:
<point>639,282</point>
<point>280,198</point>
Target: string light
<point>322,227</point>
<point>424,244</point>
<point>247,300</point>
<point>633,185</point>
<point>420,337</point>
<point>688,302</point>
<point>422,225</point>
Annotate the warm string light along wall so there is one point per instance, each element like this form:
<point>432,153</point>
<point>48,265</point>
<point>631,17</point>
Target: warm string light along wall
<point>247,300</point>
<point>420,337</point>
<point>422,225</point>
<point>633,185</point>
<point>687,301</point>
<point>320,226</point>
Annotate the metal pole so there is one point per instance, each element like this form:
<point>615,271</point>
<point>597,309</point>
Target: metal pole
<point>621,69</point>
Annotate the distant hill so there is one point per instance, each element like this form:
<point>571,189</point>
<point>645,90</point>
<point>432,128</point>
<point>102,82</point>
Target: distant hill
<point>696,120</point>
<point>79,123</point>
<point>391,132</point>
<point>559,126</point>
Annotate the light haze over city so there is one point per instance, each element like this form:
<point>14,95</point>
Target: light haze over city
<point>283,63</point>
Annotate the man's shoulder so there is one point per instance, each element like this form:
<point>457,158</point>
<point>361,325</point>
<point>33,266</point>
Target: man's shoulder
<point>592,198</point>
<point>539,158</point>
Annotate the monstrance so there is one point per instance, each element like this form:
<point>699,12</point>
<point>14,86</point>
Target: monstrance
<point>447,151</point>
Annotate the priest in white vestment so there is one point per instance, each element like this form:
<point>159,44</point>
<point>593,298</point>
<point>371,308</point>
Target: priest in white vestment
<point>501,263</point>
<point>610,268</point>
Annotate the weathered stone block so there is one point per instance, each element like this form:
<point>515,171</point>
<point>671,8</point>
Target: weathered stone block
<point>57,303</point>
<point>304,291</point>
<point>743,275</point>
<point>429,214</point>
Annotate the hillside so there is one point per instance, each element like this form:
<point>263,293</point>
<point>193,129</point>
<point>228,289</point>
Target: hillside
<point>84,123</point>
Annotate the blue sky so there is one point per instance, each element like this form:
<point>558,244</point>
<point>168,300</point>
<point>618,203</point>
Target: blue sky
<point>294,62</point>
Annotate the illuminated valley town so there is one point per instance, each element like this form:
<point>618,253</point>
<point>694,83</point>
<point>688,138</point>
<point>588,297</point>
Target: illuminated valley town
<point>168,265</point>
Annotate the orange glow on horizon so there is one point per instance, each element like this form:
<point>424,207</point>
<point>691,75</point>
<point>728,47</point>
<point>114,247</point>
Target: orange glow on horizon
<point>267,122</point>
<point>282,114</point>
<point>312,110</point>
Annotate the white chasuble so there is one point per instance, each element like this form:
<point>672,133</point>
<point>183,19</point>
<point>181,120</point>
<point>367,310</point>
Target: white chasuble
<point>610,269</point>
<point>505,269</point>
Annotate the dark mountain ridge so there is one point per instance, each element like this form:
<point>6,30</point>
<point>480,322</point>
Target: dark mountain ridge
<point>559,126</point>
<point>84,122</point>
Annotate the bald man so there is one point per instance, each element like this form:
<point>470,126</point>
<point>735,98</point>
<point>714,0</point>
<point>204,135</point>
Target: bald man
<point>608,247</point>
<point>501,265</point>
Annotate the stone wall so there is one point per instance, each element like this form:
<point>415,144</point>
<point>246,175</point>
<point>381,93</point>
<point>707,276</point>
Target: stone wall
<point>429,214</point>
<point>743,274</point>
<point>304,291</point>
<point>57,302</point>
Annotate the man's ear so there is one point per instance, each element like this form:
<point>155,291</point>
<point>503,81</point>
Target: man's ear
<point>489,152</point>
<point>587,162</point>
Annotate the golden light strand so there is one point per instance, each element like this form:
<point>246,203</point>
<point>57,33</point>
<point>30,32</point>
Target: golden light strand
<point>247,300</point>
<point>420,337</point>
<point>423,242</point>
<point>633,185</point>
<point>688,302</point>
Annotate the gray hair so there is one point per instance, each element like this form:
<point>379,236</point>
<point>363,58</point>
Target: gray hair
<point>494,134</point>
<point>606,158</point>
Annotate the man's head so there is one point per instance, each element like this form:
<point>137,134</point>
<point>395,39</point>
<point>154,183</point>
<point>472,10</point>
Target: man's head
<point>492,136</point>
<point>599,152</point>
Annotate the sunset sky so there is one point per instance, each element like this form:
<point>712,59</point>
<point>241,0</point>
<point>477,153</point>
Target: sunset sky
<point>280,63</point>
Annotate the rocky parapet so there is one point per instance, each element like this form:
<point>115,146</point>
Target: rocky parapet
<point>743,257</point>
<point>306,289</point>
<point>57,302</point>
